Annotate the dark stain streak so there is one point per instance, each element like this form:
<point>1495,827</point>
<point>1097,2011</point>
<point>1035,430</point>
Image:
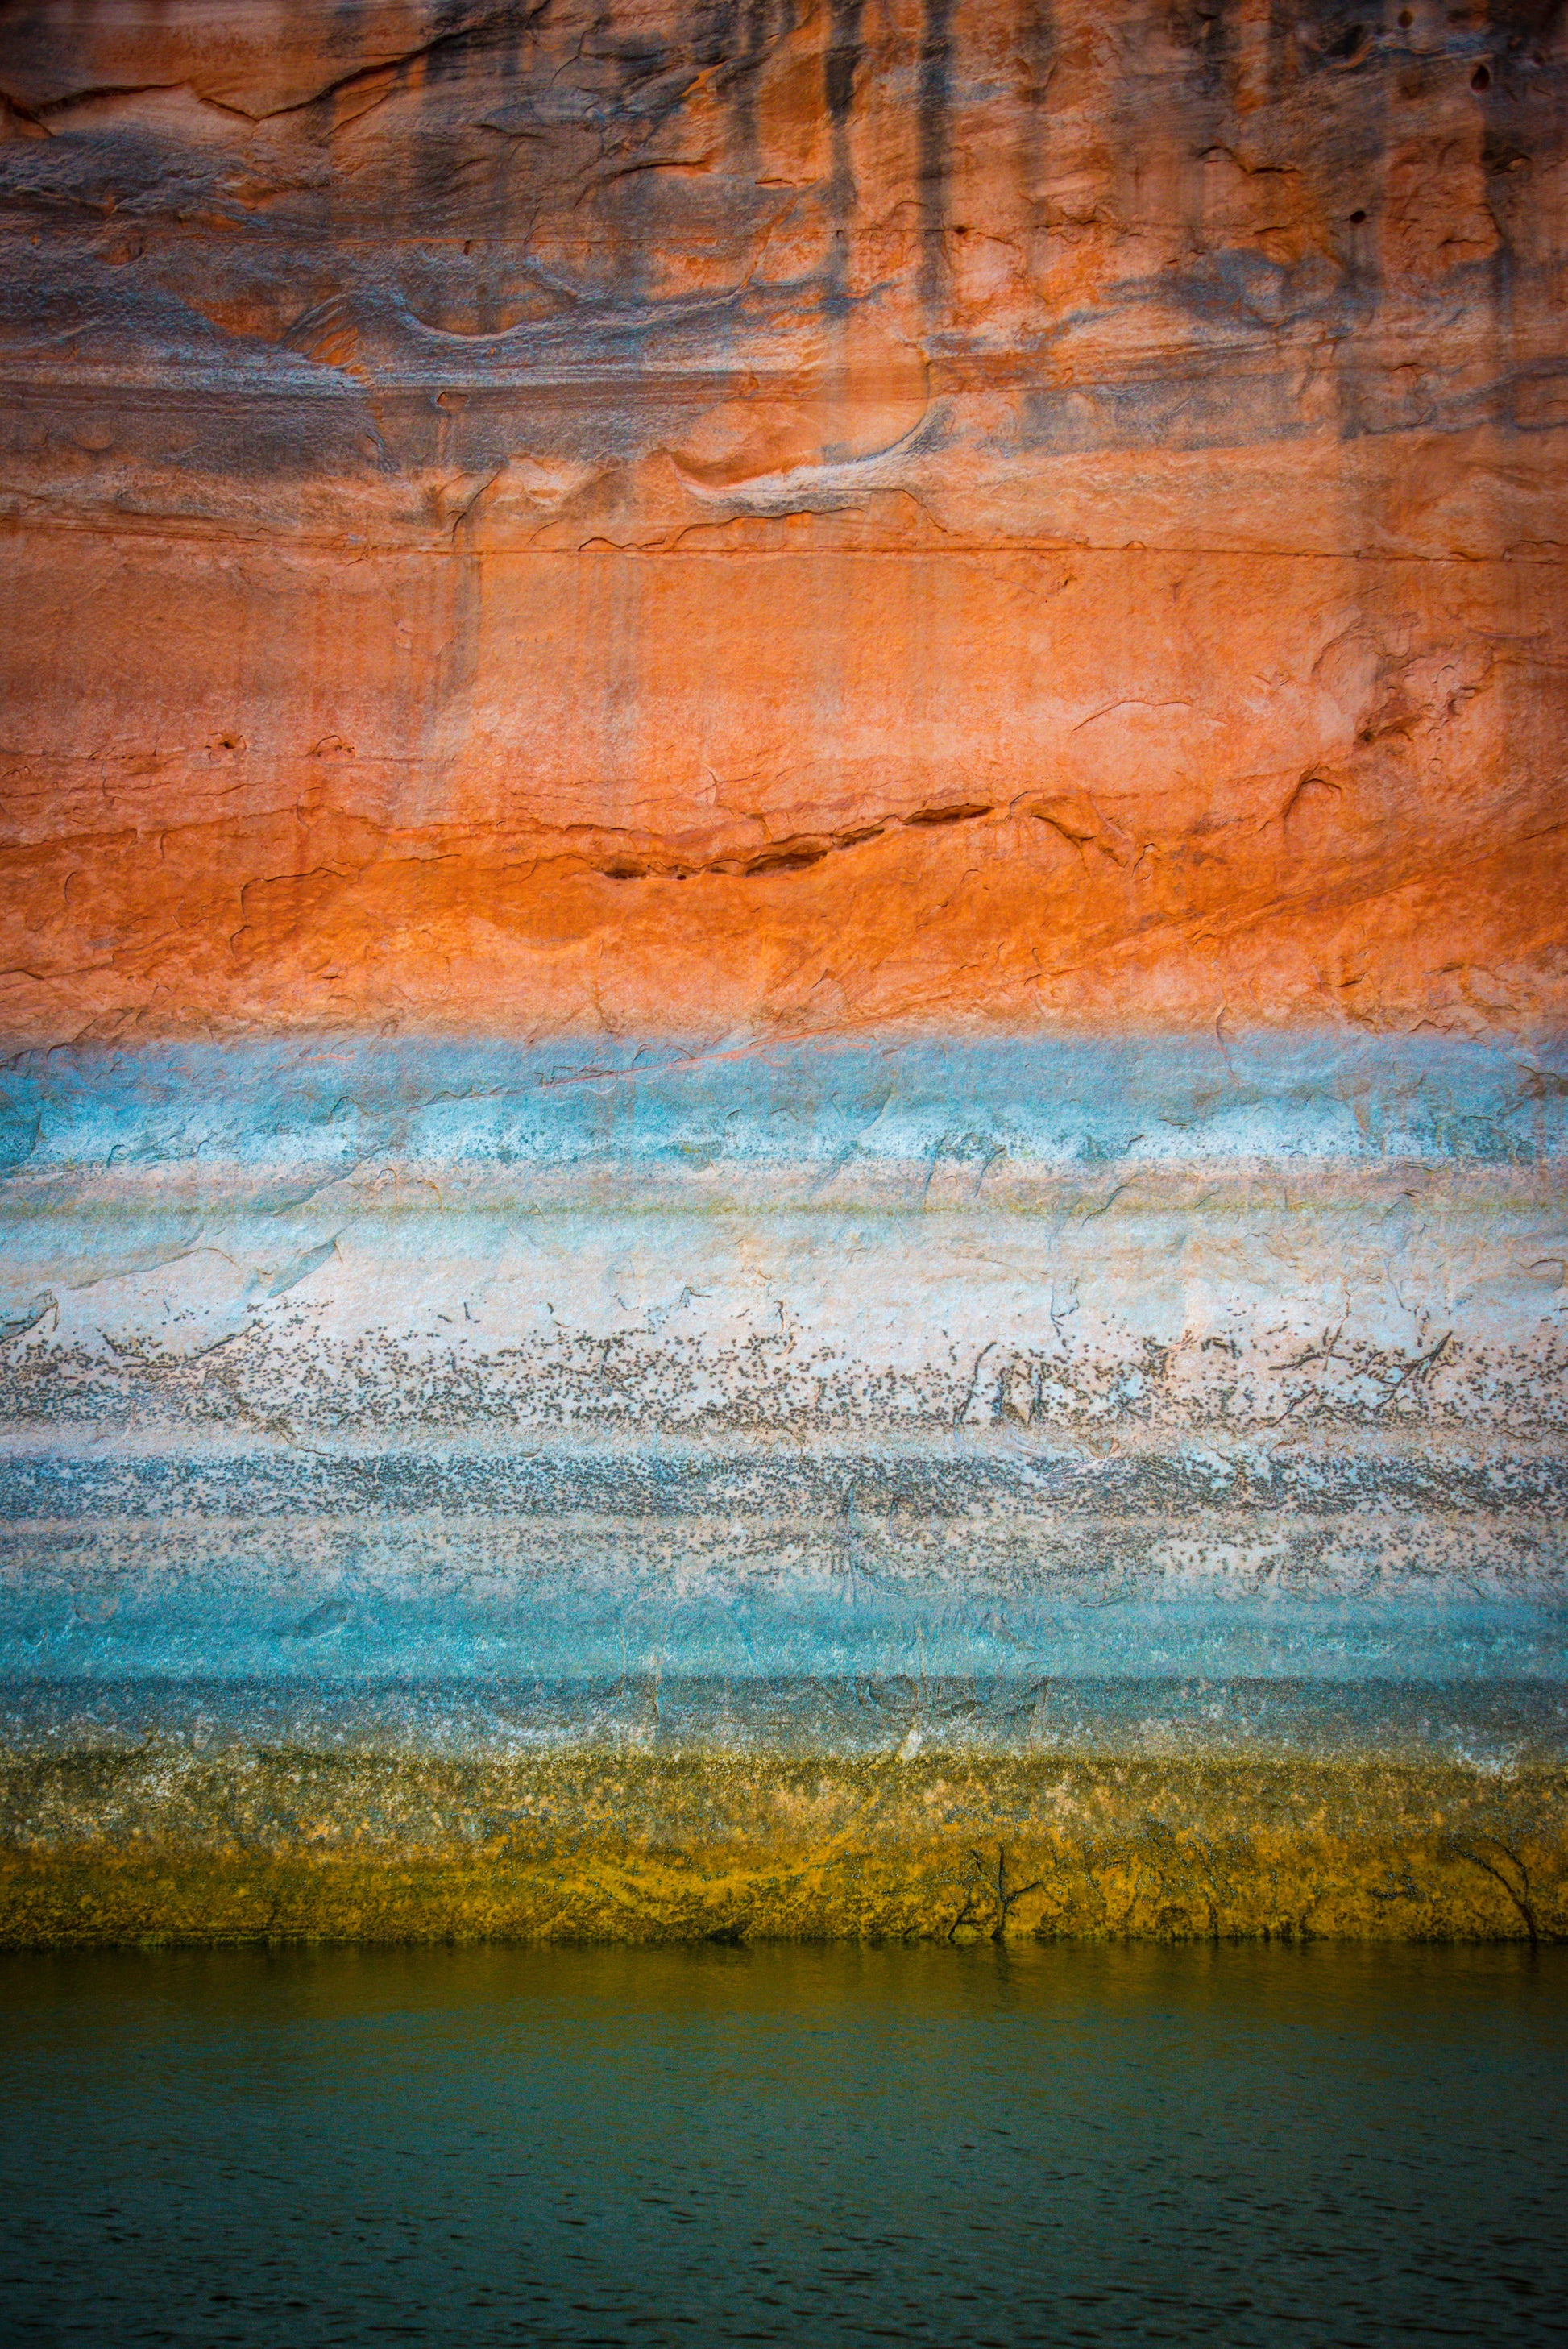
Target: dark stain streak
<point>842,60</point>
<point>1037,39</point>
<point>934,98</point>
<point>840,66</point>
<point>713,39</point>
<point>742,81</point>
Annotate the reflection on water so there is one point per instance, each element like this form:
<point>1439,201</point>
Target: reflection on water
<point>1020,2144</point>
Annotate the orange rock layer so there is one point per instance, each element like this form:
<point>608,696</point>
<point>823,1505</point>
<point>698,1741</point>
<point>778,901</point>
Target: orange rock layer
<point>782,517</point>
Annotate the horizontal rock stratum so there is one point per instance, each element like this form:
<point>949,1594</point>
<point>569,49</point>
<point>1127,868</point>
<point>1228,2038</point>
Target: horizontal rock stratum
<point>783,969</point>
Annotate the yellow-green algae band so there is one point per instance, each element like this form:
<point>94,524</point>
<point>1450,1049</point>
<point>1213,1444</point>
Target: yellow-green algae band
<point>288,1843</point>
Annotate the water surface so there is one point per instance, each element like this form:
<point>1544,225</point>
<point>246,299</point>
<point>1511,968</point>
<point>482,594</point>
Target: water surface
<point>1028,2144</point>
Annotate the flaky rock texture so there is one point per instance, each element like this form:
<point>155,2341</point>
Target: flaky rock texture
<point>782,515</point>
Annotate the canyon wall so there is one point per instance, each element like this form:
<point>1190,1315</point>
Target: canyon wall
<point>784,968</point>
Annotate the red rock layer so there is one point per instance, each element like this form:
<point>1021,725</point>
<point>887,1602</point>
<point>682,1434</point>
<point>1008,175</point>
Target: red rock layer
<point>782,516</point>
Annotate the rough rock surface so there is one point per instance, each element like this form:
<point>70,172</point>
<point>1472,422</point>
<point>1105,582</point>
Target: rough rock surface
<point>781,880</point>
<point>105,1847</point>
<point>783,514</point>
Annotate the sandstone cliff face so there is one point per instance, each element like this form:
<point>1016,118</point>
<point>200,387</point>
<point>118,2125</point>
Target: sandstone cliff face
<point>781,956</point>
<point>777,517</point>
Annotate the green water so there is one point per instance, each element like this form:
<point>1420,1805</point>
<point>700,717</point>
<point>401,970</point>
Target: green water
<point>1032,2145</point>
